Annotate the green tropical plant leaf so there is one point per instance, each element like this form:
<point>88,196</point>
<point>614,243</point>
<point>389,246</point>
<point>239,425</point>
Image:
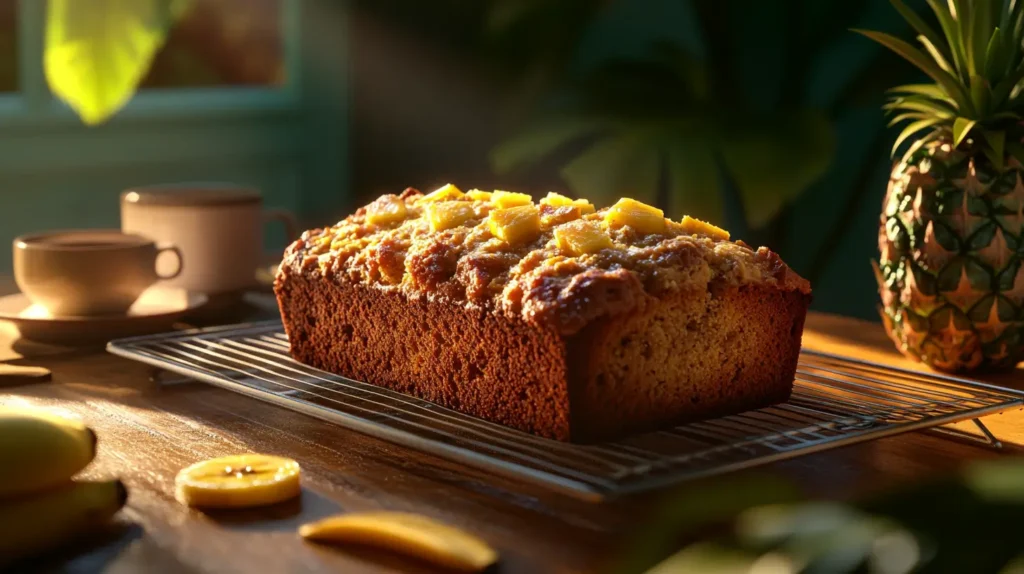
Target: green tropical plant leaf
<point>914,56</point>
<point>908,116</point>
<point>1004,89</point>
<point>996,147</point>
<point>921,104</point>
<point>922,28</point>
<point>694,180</point>
<point>912,129</point>
<point>981,95</point>
<point>928,90</point>
<point>952,32</point>
<point>98,52</point>
<point>542,139</point>
<point>979,26</point>
<point>961,129</point>
<point>962,13</point>
<point>995,56</point>
<point>773,162</point>
<point>936,55</point>
<point>996,140</point>
<point>625,164</point>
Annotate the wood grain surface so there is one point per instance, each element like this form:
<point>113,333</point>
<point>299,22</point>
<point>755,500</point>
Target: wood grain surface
<point>149,428</point>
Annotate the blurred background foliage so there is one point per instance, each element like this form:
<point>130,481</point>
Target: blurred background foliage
<point>757,523</point>
<point>763,117</point>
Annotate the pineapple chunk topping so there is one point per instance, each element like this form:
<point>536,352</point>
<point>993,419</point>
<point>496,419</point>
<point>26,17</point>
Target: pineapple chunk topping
<point>515,225</point>
<point>448,214</point>
<point>552,216</point>
<point>582,237</point>
<point>446,192</point>
<point>698,227</point>
<point>385,210</point>
<point>557,200</point>
<point>507,199</point>
<point>640,216</point>
<point>478,195</point>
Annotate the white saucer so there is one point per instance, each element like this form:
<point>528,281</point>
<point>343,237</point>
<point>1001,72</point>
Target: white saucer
<point>155,311</point>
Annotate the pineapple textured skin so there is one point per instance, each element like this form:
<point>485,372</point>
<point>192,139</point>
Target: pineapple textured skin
<point>950,271</point>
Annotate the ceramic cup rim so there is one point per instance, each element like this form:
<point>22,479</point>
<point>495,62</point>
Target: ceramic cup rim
<point>192,194</point>
<point>124,241</point>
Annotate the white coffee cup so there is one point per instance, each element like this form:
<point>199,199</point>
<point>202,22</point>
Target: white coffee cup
<point>217,226</point>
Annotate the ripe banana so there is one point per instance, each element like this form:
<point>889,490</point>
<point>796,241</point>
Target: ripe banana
<point>40,450</point>
<point>30,525</point>
<point>409,534</point>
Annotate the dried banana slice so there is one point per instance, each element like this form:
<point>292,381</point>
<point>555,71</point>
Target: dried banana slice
<point>409,534</point>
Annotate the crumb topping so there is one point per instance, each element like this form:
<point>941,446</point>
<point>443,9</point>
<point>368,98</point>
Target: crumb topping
<point>559,261</point>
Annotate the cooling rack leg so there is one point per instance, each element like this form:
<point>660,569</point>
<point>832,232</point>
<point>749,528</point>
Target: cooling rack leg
<point>986,438</point>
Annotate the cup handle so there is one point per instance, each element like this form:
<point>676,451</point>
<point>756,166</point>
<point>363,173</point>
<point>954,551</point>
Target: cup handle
<point>291,224</point>
<point>177,253</point>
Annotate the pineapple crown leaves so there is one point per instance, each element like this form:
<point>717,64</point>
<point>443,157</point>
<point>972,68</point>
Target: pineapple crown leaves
<point>976,64</point>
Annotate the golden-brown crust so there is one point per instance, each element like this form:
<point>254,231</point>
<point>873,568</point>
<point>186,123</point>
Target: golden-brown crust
<point>535,279</point>
<point>659,329</point>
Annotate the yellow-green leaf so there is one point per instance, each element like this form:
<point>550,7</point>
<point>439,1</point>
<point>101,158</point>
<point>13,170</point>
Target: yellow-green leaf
<point>927,34</point>
<point>694,180</point>
<point>952,32</point>
<point>97,52</point>
<point>773,162</point>
<point>961,129</point>
<point>914,56</point>
<point>542,139</point>
<point>912,129</point>
<point>981,95</point>
<point>626,164</point>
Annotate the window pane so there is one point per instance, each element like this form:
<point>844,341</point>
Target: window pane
<point>8,45</point>
<point>222,43</point>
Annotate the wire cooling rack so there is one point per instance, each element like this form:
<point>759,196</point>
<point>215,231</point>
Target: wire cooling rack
<point>836,401</point>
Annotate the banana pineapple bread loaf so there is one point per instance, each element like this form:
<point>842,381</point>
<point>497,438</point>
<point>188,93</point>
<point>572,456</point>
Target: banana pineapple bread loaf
<point>553,318</point>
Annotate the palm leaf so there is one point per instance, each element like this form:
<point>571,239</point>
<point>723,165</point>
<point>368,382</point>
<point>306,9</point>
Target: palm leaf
<point>914,56</point>
<point>913,129</point>
<point>961,129</point>
<point>541,140</point>
<point>625,164</point>
<point>772,162</point>
<point>694,180</point>
<point>952,33</point>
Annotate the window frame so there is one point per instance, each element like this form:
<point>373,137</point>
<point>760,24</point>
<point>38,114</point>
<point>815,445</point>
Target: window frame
<point>34,105</point>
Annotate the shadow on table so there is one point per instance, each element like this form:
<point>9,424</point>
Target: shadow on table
<point>286,516</point>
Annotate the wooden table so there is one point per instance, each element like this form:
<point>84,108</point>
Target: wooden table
<point>149,431</point>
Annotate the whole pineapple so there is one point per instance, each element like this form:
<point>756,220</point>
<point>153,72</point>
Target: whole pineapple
<point>951,240</point>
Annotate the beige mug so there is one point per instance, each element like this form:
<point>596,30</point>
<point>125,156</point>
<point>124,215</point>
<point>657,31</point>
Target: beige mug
<point>217,226</point>
<point>88,272</point>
